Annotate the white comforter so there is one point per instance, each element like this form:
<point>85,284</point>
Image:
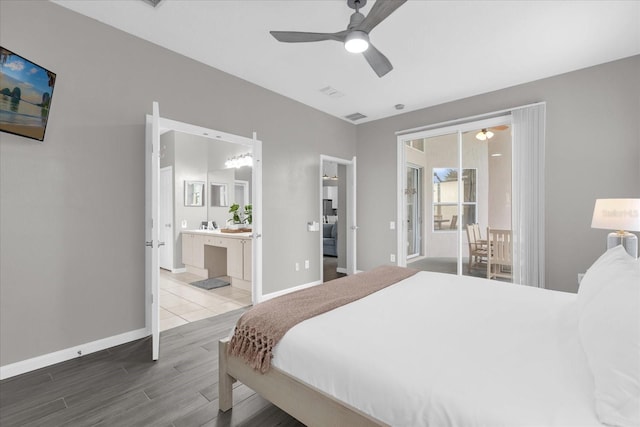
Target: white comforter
<point>445,350</point>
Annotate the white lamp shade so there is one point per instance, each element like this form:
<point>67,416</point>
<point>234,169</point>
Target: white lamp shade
<point>617,214</point>
<point>484,134</point>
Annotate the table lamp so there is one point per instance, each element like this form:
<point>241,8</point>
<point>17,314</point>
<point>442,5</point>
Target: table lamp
<point>620,215</point>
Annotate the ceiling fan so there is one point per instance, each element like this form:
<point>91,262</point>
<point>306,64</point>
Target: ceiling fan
<point>487,133</point>
<point>356,36</point>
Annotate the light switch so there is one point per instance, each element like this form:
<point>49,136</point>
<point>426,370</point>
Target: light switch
<point>392,225</point>
<point>184,223</point>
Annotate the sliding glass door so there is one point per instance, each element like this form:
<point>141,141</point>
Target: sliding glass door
<point>414,210</point>
<point>466,191</point>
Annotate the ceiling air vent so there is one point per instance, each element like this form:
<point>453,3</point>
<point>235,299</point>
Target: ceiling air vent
<point>153,3</point>
<point>355,116</point>
<point>332,92</point>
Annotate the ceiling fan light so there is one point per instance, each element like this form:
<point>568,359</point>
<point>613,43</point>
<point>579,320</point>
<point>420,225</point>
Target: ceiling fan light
<point>484,134</point>
<point>356,42</point>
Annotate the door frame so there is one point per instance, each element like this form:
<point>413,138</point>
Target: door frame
<point>168,244</point>
<point>401,182</point>
<point>351,220</point>
<point>165,125</point>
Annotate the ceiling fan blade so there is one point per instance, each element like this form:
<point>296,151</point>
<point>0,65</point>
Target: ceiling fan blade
<point>377,60</point>
<point>500,127</point>
<point>380,10</point>
<point>303,37</point>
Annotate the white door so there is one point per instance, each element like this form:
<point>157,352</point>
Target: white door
<point>152,227</point>
<point>166,218</point>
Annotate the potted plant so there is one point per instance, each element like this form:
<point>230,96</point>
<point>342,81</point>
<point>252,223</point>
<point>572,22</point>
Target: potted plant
<point>248,216</point>
<point>235,221</point>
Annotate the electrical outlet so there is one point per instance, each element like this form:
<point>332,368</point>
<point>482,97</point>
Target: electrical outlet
<point>297,266</point>
<point>392,225</point>
<point>392,257</point>
<point>306,264</point>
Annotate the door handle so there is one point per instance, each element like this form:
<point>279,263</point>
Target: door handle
<point>160,244</point>
<point>168,225</point>
<point>150,244</point>
<point>354,227</point>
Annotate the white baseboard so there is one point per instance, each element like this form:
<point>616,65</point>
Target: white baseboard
<point>17,368</point>
<point>179,270</point>
<point>286,291</point>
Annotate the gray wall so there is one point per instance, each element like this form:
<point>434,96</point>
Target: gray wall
<point>72,208</point>
<point>592,151</point>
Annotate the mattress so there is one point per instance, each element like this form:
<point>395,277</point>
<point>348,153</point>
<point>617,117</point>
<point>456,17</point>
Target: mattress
<point>445,350</point>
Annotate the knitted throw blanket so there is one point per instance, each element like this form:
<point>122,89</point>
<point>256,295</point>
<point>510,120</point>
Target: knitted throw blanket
<point>261,328</point>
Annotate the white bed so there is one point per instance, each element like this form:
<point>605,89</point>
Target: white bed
<point>473,353</point>
<point>445,350</point>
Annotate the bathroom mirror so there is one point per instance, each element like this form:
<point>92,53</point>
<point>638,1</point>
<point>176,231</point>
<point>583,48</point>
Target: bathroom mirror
<point>194,193</point>
<point>218,194</point>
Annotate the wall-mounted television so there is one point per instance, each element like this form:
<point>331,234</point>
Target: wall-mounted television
<point>26,90</point>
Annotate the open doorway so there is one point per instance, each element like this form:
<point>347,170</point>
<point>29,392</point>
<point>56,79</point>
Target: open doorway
<point>202,247</point>
<point>199,184</point>
<point>464,195</point>
<point>337,213</point>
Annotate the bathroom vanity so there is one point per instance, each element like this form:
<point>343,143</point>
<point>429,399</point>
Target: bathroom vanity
<point>214,254</point>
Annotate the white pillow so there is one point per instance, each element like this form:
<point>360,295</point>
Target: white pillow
<point>609,329</point>
<point>601,272</point>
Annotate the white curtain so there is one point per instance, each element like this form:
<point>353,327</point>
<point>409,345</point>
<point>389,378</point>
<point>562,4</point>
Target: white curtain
<point>528,195</point>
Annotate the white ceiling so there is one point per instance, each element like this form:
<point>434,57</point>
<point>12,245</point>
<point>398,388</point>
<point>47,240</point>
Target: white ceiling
<point>440,50</point>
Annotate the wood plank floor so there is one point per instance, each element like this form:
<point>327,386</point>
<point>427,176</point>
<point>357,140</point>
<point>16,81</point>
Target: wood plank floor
<point>121,386</point>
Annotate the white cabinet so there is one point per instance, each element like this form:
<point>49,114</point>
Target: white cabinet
<point>331,192</point>
<point>234,258</point>
<point>187,249</point>
<point>193,250</point>
<point>248,260</point>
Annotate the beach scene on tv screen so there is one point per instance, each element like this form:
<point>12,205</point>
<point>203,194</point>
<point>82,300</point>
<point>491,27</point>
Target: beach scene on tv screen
<point>25,95</point>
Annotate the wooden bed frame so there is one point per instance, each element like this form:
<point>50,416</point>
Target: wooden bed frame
<point>309,405</point>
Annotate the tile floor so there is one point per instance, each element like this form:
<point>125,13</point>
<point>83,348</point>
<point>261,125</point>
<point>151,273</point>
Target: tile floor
<point>181,303</point>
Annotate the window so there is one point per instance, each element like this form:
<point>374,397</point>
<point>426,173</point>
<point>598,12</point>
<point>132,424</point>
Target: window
<point>416,144</point>
<point>445,198</point>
